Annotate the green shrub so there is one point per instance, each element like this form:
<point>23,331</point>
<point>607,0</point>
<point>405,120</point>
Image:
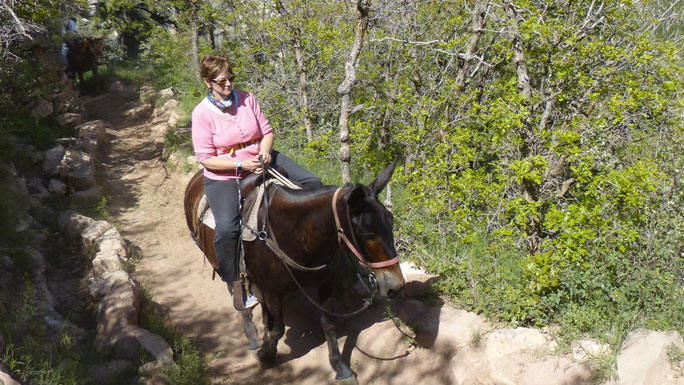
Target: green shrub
<point>191,363</point>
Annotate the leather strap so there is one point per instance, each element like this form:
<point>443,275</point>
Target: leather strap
<point>342,237</point>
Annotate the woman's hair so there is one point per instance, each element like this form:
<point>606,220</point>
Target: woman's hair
<point>212,65</point>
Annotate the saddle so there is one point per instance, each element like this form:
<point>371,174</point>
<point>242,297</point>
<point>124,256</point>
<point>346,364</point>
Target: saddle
<point>251,201</point>
<point>247,186</point>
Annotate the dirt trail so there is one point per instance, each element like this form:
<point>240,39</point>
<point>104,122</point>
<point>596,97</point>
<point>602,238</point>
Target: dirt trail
<point>146,205</point>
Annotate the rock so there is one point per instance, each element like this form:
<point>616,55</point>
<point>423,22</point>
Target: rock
<point>419,285</point>
<point>644,359</point>
<point>92,234</point>
<point>90,146</point>
<point>68,142</point>
<point>66,100</point>
<point>507,351</point>
<point>35,156</point>
<point>409,267</point>
<point>118,309</point>
<point>43,298</point>
<point>134,338</point>
<point>588,348</point>
<point>106,261</point>
<point>57,187</point>
<point>7,380</point>
<point>36,189</point>
<point>25,223</point>
<point>148,94</point>
<point>471,331</point>
<point>138,113</point>
<point>89,196</point>
<point>52,159</point>
<point>108,284</point>
<point>168,107</point>
<point>78,166</point>
<point>92,129</point>
<point>150,368</point>
<point>112,241</point>
<point>42,109</point>
<point>92,135</point>
<point>116,86</point>
<point>151,373</point>
<point>167,93</point>
<point>173,119</point>
<point>112,372</point>
<point>554,371</point>
<point>69,119</point>
<point>73,224</point>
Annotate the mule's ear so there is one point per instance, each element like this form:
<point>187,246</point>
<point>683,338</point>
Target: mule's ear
<point>356,197</point>
<point>381,180</point>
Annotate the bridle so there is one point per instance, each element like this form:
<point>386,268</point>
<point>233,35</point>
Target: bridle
<point>343,239</point>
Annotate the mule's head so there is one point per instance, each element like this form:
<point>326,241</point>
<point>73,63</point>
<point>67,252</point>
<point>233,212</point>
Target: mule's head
<point>372,224</point>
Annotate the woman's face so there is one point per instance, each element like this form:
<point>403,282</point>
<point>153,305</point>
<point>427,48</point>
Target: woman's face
<point>221,85</point>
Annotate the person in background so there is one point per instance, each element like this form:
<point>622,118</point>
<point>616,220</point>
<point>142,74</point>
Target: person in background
<point>229,134</point>
<point>69,33</point>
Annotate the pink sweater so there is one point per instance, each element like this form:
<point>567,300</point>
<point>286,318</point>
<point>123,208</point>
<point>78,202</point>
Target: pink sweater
<point>215,132</point>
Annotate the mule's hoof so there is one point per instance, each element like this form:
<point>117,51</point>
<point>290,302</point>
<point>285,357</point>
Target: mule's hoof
<point>351,380</point>
<point>264,363</point>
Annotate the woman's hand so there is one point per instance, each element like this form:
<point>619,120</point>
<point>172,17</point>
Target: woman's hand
<point>252,165</point>
<point>266,157</point>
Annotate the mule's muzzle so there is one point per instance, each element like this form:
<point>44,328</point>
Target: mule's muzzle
<point>390,281</point>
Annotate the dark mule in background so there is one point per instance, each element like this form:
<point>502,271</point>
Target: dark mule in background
<point>303,223</point>
<point>83,56</point>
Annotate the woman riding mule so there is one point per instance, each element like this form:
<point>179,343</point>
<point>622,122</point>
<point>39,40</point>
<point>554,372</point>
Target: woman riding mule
<point>306,232</point>
<point>230,134</point>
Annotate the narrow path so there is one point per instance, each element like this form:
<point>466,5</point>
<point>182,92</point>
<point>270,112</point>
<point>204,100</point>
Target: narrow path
<point>146,204</point>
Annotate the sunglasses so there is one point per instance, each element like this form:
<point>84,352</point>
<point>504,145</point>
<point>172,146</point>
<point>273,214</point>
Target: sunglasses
<point>223,81</point>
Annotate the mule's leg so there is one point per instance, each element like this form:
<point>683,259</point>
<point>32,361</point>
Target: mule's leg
<point>250,329</point>
<point>341,368</point>
<point>97,84</point>
<point>80,80</point>
<point>274,328</point>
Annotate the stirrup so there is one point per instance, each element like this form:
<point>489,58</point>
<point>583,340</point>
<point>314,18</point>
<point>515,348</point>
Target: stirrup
<point>238,295</point>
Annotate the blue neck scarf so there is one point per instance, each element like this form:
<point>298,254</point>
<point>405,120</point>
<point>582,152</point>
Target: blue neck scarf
<point>224,104</point>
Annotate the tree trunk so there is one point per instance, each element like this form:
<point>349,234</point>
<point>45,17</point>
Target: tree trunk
<point>531,141</point>
<point>344,90</point>
<point>478,22</point>
<point>195,45</point>
<point>518,53</point>
<point>302,89</point>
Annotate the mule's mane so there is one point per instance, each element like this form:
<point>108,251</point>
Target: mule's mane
<point>307,193</point>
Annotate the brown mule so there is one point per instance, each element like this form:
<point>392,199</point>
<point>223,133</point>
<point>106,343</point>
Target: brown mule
<point>83,56</point>
<point>309,227</point>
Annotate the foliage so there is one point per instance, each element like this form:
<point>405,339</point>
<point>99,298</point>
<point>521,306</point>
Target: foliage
<point>165,73</point>
<point>191,364</point>
<point>29,352</point>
